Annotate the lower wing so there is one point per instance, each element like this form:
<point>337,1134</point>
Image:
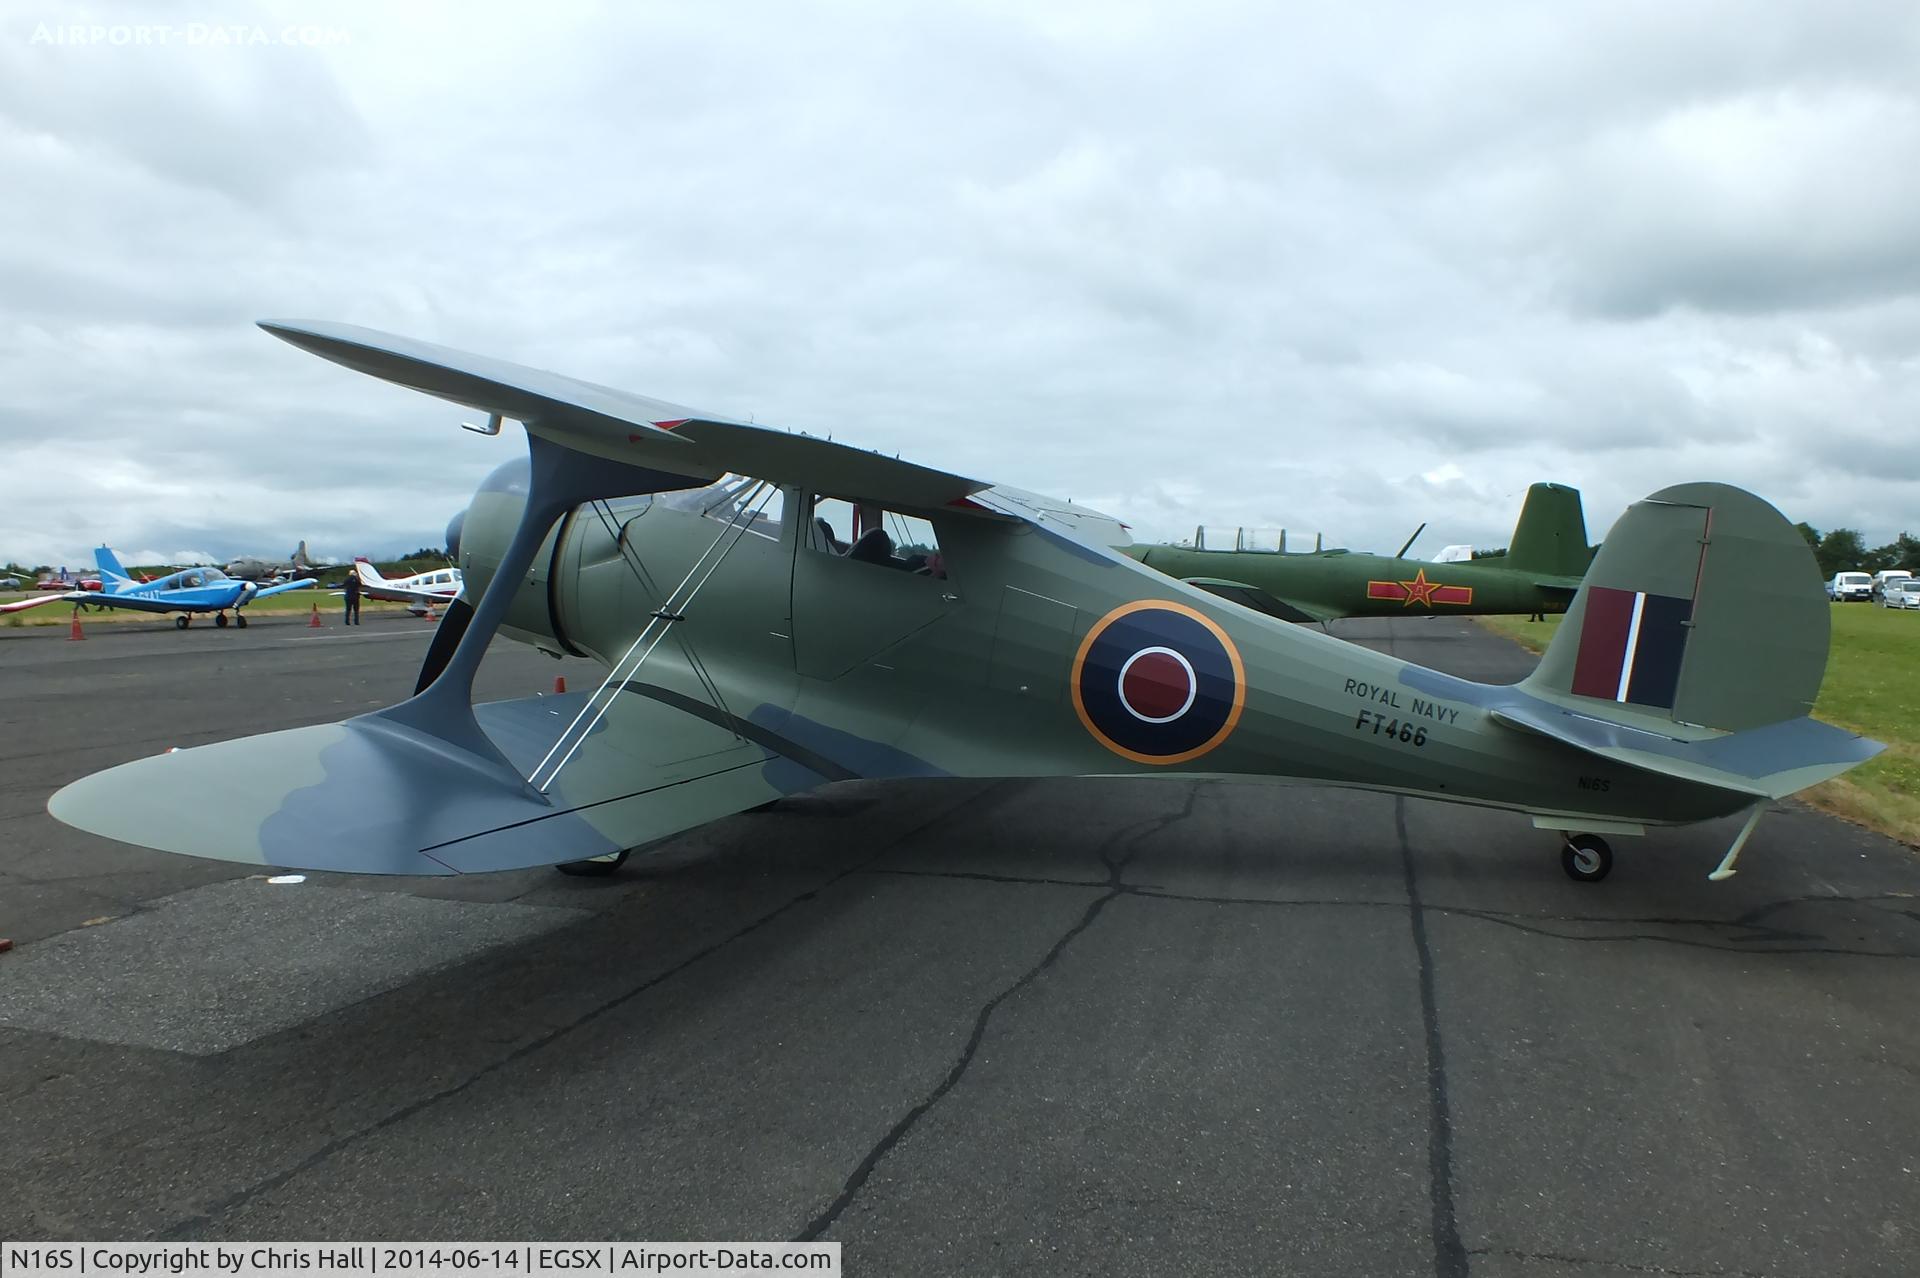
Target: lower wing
<point>143,603</point>
<point>371,796</point>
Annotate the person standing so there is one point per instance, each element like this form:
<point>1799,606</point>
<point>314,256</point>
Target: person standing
<point>353,596</point>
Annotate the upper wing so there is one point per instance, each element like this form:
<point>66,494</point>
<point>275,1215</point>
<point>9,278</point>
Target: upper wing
<point>371,797</point>
<point>1263,601</point>
<point>625,427</point>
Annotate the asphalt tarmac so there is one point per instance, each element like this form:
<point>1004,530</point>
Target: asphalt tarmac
<point>1056,1027</point>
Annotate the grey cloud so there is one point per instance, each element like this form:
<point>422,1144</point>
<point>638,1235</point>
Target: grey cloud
<point>242,121</point>
<point>1218,265</point>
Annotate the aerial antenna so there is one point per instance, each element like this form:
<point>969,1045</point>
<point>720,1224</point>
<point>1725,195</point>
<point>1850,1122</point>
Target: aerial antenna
<point>491,428</point>
<point>1409,543</point>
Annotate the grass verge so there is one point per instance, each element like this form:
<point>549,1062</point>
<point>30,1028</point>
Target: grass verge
<point>1872,687</point>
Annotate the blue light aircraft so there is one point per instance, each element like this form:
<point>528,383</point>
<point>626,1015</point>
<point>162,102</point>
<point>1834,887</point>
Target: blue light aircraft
<point>185,592</point>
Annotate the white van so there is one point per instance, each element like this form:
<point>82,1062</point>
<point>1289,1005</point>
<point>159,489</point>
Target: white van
<point>1885,575</point>
<point>1850,587</point>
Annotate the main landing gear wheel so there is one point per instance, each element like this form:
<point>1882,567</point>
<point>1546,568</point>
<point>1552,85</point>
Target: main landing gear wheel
<point>220,620</point>
<point>240,620</point>
<point>1586,858</point>
<point>594,867</point>
<point>180,622</point>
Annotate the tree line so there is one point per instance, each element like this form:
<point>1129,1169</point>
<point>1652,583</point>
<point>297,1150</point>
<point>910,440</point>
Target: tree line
<point>1844,550</point>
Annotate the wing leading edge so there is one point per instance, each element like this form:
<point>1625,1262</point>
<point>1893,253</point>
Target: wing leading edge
<point>625,427</point>
<point>372,797</point>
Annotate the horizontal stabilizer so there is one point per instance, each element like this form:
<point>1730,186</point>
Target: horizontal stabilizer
<point>1772,762</point>
<point>370,796</point>
<point>1694,649</point>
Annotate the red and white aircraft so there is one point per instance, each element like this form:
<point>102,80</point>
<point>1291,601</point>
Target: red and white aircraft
<point>421,592</point>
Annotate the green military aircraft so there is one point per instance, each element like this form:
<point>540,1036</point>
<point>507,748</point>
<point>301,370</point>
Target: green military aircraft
<point>777,612</point>
<point>1539,573</point>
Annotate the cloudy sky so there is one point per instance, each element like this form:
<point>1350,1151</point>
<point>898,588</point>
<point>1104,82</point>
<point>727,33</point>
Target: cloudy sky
<point>1330,267</point>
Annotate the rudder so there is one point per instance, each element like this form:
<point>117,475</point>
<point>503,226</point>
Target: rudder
<point>1551,536</point>
<point>1703,606</point>
<point>109,565</point>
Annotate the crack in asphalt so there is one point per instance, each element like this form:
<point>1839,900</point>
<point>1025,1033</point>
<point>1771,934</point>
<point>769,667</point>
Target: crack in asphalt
<point>1557,1258</point>
<point>32,1085</point>
<point>1131,837</point>
<point>182,1228</point>
<point>1449,1252</point>
<point>1753,938</point>
<point>1767,940</point>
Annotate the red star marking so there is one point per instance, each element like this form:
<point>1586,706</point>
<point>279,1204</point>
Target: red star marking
<point>1420,590</point>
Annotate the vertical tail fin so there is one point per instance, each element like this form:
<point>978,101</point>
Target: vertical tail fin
<point>1703,606</point>
<point>300,557</point>
<point>1551,537</point>
<point>369,575</point>
<point>109,564</point>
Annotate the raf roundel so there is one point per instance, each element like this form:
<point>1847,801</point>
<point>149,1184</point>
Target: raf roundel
<point>1158,682</point>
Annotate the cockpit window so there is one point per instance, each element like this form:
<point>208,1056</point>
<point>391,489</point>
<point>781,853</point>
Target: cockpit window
<point>759,503</point>
<point>867,532</point>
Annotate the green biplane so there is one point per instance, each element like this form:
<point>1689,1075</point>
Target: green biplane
<point>776,612</point>
<point>1539,573</point>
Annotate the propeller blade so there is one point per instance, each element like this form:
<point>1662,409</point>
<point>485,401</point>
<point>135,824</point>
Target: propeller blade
<point>446,637</point>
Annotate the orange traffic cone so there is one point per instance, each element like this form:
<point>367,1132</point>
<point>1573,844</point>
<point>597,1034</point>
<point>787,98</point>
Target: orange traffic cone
<point>76,632</point>
<point>559,684</point>
<point>429,614</point>
<point>313,622</point>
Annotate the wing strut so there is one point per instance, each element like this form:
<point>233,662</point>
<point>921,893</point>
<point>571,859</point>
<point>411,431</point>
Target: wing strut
<point>560,479</point>
<point>630,555</point>
<point>672,609</point>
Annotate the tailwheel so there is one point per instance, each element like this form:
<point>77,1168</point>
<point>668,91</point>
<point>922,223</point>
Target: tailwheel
<point>1586,858</point>
<point>594,866</point>
<point>240,620</point>
<point>220,620</point>
<point>180,622</point>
